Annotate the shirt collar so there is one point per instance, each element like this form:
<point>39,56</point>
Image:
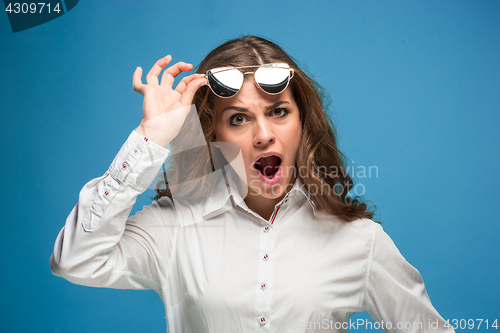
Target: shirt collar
<point>299,189</point>
<point>225,188</point>
<point>219,199</point>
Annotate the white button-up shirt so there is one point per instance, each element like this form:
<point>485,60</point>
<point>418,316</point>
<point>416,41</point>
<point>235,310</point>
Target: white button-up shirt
<point>220,267</point>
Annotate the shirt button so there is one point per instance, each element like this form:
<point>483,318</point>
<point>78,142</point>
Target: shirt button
<point>106,193</point>
<point>266,228</point>
<point>124,165</point>
<point>265,257</point>
<point>263,286</point>
<point>262,321</point>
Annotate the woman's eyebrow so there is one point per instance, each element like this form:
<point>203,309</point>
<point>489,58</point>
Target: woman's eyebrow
<point>275,105</point>
<point>240,109</point>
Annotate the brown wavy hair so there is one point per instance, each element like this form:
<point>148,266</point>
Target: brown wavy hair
<point>318,151</point>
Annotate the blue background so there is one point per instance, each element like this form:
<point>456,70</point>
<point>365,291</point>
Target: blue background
<point>415,88</point>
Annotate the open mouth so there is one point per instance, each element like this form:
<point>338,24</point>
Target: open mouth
<point>268,166</point>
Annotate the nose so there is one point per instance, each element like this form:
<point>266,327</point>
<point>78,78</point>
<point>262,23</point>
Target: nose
<point>264,134</point>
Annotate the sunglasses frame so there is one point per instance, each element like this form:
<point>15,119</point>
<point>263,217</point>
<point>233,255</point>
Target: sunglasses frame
<point>271,65</point>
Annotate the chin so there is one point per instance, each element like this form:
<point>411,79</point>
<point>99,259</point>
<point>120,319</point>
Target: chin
<point>258,187</point>
<point>274,193</point>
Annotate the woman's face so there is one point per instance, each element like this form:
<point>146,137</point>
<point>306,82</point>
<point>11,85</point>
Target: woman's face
<point>268,130</point>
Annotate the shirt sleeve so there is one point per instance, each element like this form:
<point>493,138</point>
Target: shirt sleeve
<point>100,245</point>
<point>395,293</point>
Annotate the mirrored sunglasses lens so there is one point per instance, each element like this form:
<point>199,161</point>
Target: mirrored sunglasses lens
<point>225,83</point>
<point>272,80</point>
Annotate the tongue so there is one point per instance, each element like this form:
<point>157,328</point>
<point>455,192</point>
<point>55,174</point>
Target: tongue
<point>268,166</point>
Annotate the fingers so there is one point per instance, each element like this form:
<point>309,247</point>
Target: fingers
<point>168,76</point>
<point>152,77</point>
<point>137,80</point>
<point>185,81</point>
<point>190,90</point>
<point>170,73</point>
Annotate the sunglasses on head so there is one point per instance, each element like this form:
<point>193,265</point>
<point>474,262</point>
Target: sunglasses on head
<point>225,82</point>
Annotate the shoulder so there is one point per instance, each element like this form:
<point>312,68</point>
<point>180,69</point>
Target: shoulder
<point>374,234</point>
<point>366,239</point>
<point>362,227</point>
<point>358,235</point>
<point>180,212</point>
<point>159,212</point>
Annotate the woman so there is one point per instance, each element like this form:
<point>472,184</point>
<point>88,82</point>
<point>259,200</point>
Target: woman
<point>252,233</point>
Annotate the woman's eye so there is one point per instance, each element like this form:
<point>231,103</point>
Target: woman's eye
<point>236,120</point>
<point>280,112</point>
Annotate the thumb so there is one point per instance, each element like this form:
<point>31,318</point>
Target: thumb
<point>137,80</point>
<point>192,87</point>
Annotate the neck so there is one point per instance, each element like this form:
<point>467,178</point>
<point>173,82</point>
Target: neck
<point>265,206</point>
<point>262,205</point>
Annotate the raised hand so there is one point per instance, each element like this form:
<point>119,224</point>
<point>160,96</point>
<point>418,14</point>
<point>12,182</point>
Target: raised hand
<point>164,108</point>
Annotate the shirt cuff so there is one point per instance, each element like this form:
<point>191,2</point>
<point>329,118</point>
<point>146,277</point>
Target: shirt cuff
<point>138,162</point>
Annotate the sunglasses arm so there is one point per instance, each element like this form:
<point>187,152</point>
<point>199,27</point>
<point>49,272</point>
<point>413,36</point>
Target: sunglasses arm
<point>205,79</point>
